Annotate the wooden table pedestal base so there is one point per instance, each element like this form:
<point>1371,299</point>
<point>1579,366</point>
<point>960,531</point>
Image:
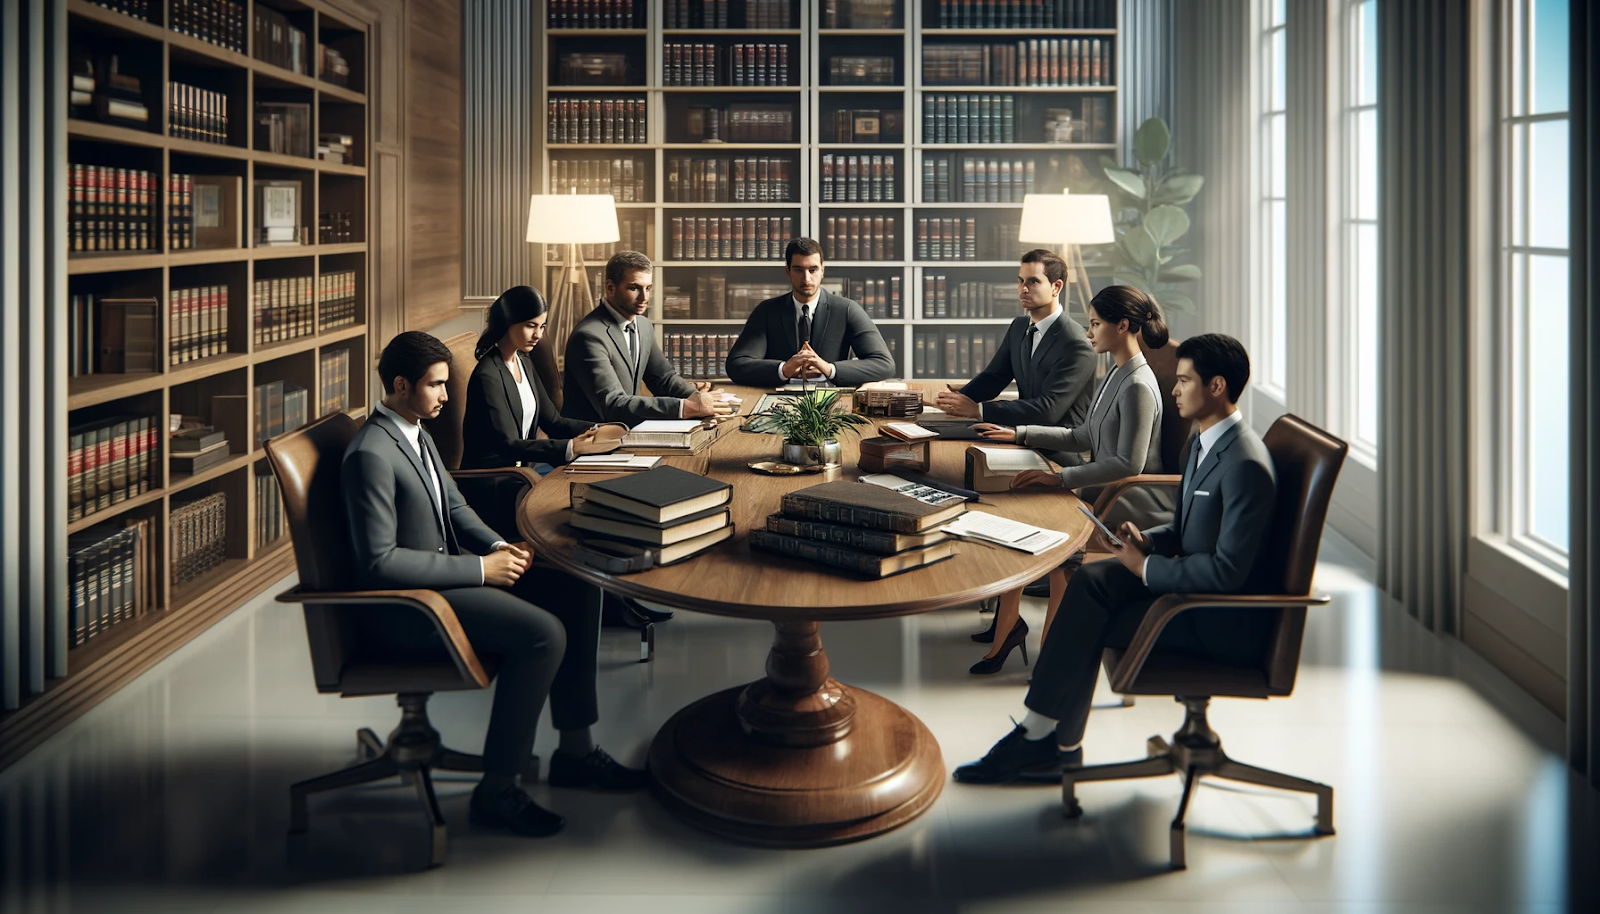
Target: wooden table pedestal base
<point>796,759</point>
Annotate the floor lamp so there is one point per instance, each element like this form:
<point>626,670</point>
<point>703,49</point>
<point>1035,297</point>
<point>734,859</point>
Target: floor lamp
<point>568,220</point>
<point>1071,220</point>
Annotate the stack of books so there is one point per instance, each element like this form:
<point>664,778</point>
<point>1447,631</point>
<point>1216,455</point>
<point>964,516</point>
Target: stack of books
<point>685,436</point>
<point>332,67</point>
<point>199,536</point>
<point>672,513</point>
<point>195,450</point>
<point>111,577</point>
<point>335,148</point>
<point>108,462</point>
<point>865,529</point>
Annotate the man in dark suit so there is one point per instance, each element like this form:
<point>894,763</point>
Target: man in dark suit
<point>810,333</point>
<point>1225,507</point>
<point>1044,351</point>
<point>613,349</point>
<point>410,528</point>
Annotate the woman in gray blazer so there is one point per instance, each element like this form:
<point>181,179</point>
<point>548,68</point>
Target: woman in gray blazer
<point>1122,437</point>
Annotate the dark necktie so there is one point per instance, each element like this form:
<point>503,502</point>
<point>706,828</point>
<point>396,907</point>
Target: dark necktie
<point>633,345</point>
<point>1192,470</point>
<point>1032,334</point>
<point>805,325</point>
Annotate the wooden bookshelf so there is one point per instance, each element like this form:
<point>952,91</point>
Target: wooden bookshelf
<point>161,54</point>
<point>915,29</point>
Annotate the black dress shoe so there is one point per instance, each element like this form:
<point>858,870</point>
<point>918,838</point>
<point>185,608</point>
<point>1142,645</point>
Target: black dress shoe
<point>1064,759</point>
<point>597,769</point>
<point>1039,588</point>
<point>1017,637</point>
<point>1011,758</point>
<point>513,809</point>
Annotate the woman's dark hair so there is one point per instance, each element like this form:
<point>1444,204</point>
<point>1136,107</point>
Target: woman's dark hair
<point>409,356</point>
<point>515,305</point>
<point>1116,304</point>
<point>1215,354</point>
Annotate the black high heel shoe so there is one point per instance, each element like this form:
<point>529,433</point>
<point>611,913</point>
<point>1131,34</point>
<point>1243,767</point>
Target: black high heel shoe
<point>987,636</point>
<point>1017,637</point>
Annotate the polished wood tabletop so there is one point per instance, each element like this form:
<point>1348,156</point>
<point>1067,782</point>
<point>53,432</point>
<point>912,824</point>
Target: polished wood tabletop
<point>797,758</point>
<point>732,580</point>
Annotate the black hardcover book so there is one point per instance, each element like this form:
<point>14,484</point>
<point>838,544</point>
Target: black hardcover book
<point>659,495</point>
<point>877,542</point>
<point>862,563</point>
<point>864,505</point>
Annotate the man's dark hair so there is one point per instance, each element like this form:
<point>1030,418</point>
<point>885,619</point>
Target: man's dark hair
<point>1055,269</point>
<point>409,356</point>
<point>624,262</point>
<point>805,247</point>
<point>1215,354</point>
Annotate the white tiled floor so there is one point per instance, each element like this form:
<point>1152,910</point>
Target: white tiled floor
<point>1452,796</point>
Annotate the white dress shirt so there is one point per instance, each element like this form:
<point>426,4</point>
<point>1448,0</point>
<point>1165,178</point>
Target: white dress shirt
<point>809,309</point>
<point>1207,439</point>
<point>1044,327</point>
<point>413,434</point>
<point>626,321</point>
<point>530,402</point>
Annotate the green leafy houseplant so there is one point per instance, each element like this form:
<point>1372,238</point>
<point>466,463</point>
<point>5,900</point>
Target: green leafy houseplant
<point>1146,244</point>
<point>809,420</point>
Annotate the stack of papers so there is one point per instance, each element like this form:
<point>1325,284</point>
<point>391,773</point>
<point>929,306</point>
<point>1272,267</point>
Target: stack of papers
<point>612,463</point>
<point>1013,459</point>
<point>1011,534</point>
<point>662,433</point>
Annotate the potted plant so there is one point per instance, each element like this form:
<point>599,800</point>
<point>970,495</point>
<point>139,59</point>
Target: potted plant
<point>810,426</point>
<point>1154,218</point>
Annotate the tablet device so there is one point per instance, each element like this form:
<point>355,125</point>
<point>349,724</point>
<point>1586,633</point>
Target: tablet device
<point>1110,537</point>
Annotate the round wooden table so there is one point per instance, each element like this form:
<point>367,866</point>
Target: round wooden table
<point>797,758</point>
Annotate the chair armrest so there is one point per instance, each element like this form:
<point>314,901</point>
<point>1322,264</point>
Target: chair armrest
<point>1167,607</point>
<point>1113,490</point>
<point>526,473</point>
<point>430,602</point>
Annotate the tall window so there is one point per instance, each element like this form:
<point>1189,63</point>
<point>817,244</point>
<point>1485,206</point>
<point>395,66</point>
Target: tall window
<point>1272,295</point>
<point>1360,230</point>
<point>1533,273</point>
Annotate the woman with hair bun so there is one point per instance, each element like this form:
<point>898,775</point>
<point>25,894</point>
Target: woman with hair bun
<point>1122,436</point>
<point>507,406</point>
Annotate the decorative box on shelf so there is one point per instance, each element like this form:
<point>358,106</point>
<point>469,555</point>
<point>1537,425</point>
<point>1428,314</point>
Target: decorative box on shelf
<point>885,455</point>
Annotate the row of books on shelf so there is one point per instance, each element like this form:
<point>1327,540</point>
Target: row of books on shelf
<point>219,22</point>
<point>726,14</point>
<point>333,381</point>
<point>976,180</point>
<point>636,230</point>
<point>281,309</point>
<point>960,238</point>
<point>196,114</point>
<point>276,40</point>
<point>336,299</point>
<point>113,577</point>
<point>745,179</point>
<point>283,128</point>
<point>1032,62</point>
<point>1026,14</point>
<point>968,118</point>
<point>271,521</point>
<point>197,323</point>
<point>859,178</point>
<point>196,448</point>
<point>277,407</point>
<point>110,208</point>
<point>942,297</point>
<point>621,177</point>
<point>861,70</point>
<point>596,14</point>
<point>110,335</point>
<point>879,296</point>
<point>595,120</point>
<point>739,64</point>
<point>332,66</point>
<point>868,125</point>
<point>861,14</point>
<point>730,237</point>
<point>740,122</point>
<point>861,238</point>
<point>199,533</point>
<point>138,9</point>
<point>110,461</point>
<point>698,355</point>
<point>715,298</point>
<point>958,352</point>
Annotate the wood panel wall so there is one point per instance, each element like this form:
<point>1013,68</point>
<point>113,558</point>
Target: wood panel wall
<point>433,162</point>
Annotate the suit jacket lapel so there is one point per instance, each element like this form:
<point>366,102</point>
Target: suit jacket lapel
<point>388,425</point>
<point>444,507</point>
<point>1207,466</point>
<point>788,316</point>
<point>1108,396</point>
<point>1022,361</point>
<point>513,396</point>
<point>819,321</point>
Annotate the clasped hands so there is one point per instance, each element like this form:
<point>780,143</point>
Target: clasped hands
<point>807,364</point>
<point>506,563</point>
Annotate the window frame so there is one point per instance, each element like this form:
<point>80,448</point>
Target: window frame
<point>1345,399</point>
<point>1270,314</point>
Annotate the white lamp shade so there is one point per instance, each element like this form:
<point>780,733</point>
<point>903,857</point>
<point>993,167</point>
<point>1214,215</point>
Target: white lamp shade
<point>1066,219</point>
<point>573,219</point>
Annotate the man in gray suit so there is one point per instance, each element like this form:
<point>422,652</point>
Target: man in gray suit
<point>1044,351</point>
<point>810,333</point>
<point>1226,504</point>
<point>410,528</point>
<point>613,349</point>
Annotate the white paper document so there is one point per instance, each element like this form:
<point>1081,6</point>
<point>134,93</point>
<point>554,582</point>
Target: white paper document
<point>1002,532</point>
<point>670,426</point>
